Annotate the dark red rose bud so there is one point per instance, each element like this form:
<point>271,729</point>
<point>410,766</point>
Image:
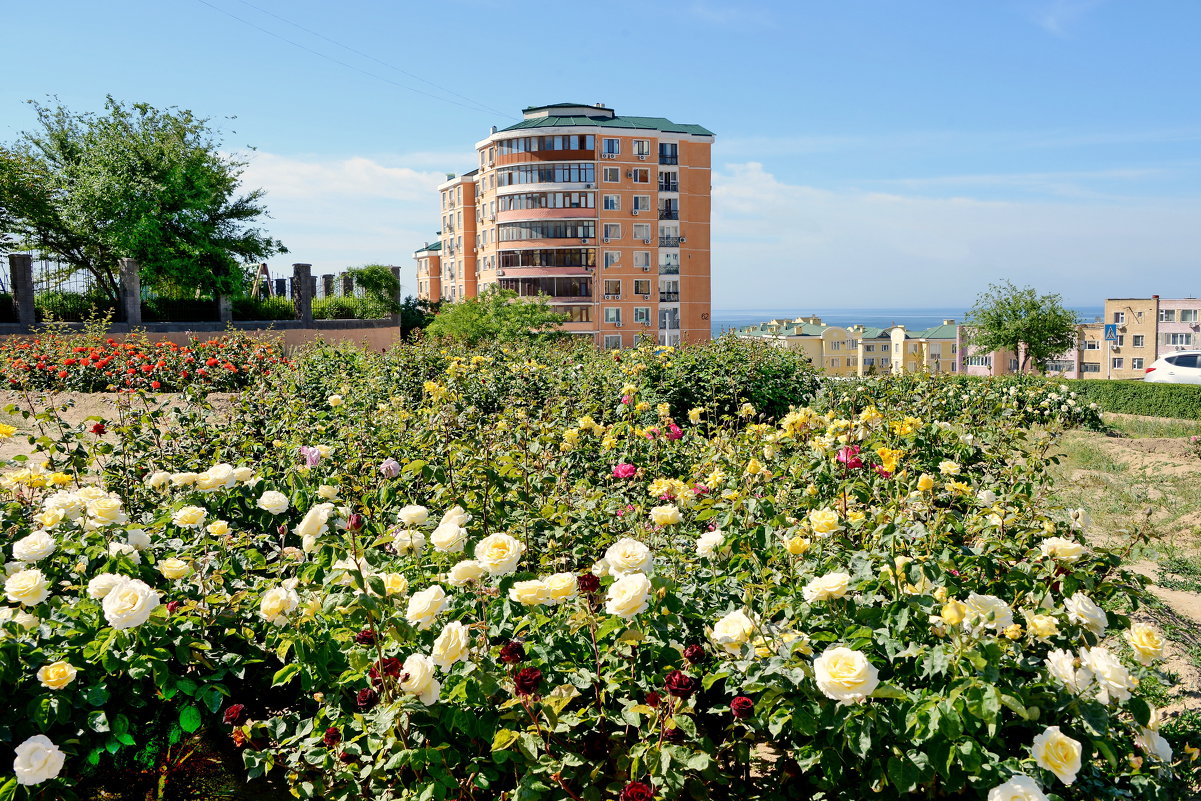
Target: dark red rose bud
<point>354,522</point>
<point>674,735</point>
<point>99,429</point>
<point>512,652</point>
<point>637,791</point>
<point>235,715</point>
<point>365,637</point>
<point>742,707</point>
<point>366,698</point>
<point>587,583</point>
<point>347,758</point>
<point>389,667</point>
<point>282,530</point>
<point>332,737</point>
<point>653,698</point>
<point>696,654</point>
<point>173,606</point>
<point>680,684</point>
<point>526,681</point>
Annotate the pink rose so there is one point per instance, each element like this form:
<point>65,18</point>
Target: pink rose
<point>849,457</point>
<point>674,432</point>
<point>624,470</point>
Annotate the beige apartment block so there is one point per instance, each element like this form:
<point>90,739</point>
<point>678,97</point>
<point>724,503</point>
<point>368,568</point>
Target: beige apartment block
<point>608,216</point>
<point>1137,320</point>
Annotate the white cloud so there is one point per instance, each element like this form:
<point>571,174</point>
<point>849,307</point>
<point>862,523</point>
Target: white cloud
<point>803,246</point>
<point>1058,15</point>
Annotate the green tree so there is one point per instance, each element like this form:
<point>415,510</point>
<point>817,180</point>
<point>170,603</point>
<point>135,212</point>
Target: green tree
<point>496,314</point>
<point>1036,326</point>
<point>133,182</point>
<point>380,286</point>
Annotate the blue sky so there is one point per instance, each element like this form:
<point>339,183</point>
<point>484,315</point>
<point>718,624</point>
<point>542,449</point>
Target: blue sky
<point>869,152</point>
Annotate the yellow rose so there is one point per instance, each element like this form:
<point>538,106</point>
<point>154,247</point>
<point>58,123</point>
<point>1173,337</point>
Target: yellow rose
<point>1058,753</point>
<point>925,482</point>
<point>827,587</point>
<point>1042,627</point>
<point>953,612</point>
<point>797,545</point>
<point>451,646</point>
<point>6,430</point>
<point>529,593</point>
<point>694,415</point>
<point>50,518</point>
<point>1146,642</point>
<point>949,468</point>
<point>754,467</point>
<point>560,587</point>
<point>1013,631</point>
<point>845,675</point>
<point>666,515</point>
<point>189,517</point>
<point>465,572</point>
<point>733,631</point>
<point>418,672</point>
<point>57,675</point>
<point>174,568</point>
<point>334,401</point>
<point>327,492</point>
<point>218,528</point>
<point>395,584</point>
<point>277,604</point>
<point>499,553</point>
<point>27,587</point>
<point>824,522</point>
<point>642,406</point>
<point>426,605</point>
<point>628,596</point>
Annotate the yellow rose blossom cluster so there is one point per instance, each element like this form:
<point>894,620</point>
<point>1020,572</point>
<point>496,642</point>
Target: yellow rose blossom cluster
<point>906,426</point>
<point>889,458</point>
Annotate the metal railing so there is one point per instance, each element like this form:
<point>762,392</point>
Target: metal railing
<point>665,186</point>
<point>669,214</point>
<point>669,269</point>
<point>669,241</point>
<point>668,159</point>
<point>669,297</point>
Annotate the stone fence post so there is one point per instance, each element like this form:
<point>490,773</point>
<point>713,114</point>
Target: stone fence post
<point>131,291</point>
<point>302,292</point>
<point>399,293</point>
<point>225,308</point>
<point>20,270</point>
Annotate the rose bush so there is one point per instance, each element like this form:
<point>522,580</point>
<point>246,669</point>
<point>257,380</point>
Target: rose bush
<point>852,597</point>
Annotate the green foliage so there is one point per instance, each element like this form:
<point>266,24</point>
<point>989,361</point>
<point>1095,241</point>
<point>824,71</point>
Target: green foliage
<point>133,182</point>
<point>381,287</point>
<point>1020,320</point>
<point>496,315</point>
<point>1181,401</point>
<point>338,307</point>
<point>416,314</point>
<point>263,308</point>
<point>71,306</point>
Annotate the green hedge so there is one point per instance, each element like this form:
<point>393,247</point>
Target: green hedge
<point>1181,401</point>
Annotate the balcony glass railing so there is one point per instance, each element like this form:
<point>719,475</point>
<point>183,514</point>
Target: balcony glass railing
<point>665,159</point>
<point>669,187</point>
<point>669,297</point>
<point>669,241</point>
<point>669,269</point>
<point>669,214</point>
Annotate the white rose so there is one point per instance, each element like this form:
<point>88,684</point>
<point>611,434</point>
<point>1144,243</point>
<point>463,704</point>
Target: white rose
<point>129,604</point>
<point>189,517</point>
<point>395,583</point>
<point>456,516</point>
<point>560,587</point>
<point>499,553</point>
<point>419,680</point>
<point>102,584</point>
<point>1061,665</point>
<point>708,545</point>
<point>1146,642</point>
<point>845,675</point>
<point>174,568</point>
<point>600,568</point>
<point>628,556</point>
<point>452,645</point>
<point>183,479</point>
<point>116,549</point>
<point>138,538</point>
<point>275,503</point>
<point>1062,549</point>
<point>449,538</point>
<point>1058,753</point>
<point>1112,680</point>
<point>57,675</point>
<point>327,491</point>
<point>1018,788</point>
<point>827,587</point>
<point>408,541</point>
<point>49,518</point>
<point>277,603</point>
<point>988,611</point>
<point>986,498</point>
<point>38,760</point>
<point>1082,610</point>
<point>1153,745</point>
<point>426,605</point>
<point>413,515</point>
<point>529,593</point>
<point>245,475</point>
<point>219,476</point>
<point>34,547</point>
<point>158,480</point>
<point>334,401</point>
<point>105,512</point>
<point>464,573</point>
<point>314,524</point>
<point>733,631</point>
<point>628,596</point>
<point>27,587</point>
<point>666,515</point>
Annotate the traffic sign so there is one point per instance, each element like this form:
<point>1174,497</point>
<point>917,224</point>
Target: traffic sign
<point>1111,332</point>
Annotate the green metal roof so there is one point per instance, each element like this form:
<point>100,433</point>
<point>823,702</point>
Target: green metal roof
<point>431,246</point>
<point>935,332</point>
<point>644,123</point>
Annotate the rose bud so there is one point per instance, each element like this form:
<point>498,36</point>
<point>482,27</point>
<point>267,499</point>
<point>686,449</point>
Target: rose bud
<point>240,739</point>
<point>366,698</point>
<point>235,715</point>
<point>99,429</point>
<point>680,684</point>
<point>347,758</point>
<point>674,735</point>
<point>527,681</point>
<point>354,522</point>
<point>332,737</point>
<point>653,699</point>
<point>173,606</point>
<point>742,707</point>
<point>389,666</point>
<point>587,583</point>
<point>512,652</point>
<point>365,637</point>
<point>696,654</point>
<point>637,791</point>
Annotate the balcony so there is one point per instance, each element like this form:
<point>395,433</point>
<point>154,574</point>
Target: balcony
<point>670,241</point>
<point>669,269</point>
<point>665,186</point>
<point>669,297</point>
<point>669,214</point>
<point>665,159</point>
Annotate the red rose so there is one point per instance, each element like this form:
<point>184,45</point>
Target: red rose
<point>674,735</point>
<point>98,429</point>
<point>512,652</point>
<point>680,684</point>
<point>235,715</point>
<point>389,666</point>
<point>332,737</point>
<point>742,707</point>
<point>587,583</point>
<point>653,699</point>
<point>526,682</point>
<point>366,698</point>
<point>365,637</point>
<point>696,654</point>
<point>637,791</point>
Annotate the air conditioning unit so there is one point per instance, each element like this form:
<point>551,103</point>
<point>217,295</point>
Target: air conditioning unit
<point>500,272</point>
<point>606,240</point>
<point>646,323</point>
<point>646,268</point>
<point>584,240</point>
<point>645,297</point>
<point>617,324</point>
<point>646,241</point>
<point>588,186</point>
<point>642,157</point>
<point>612,297</point>
<point>683,239</point>
<point>629,173</point>
<point>635,212</point>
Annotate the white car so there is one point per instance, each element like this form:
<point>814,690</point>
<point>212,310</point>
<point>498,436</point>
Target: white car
<point>1182,367</point>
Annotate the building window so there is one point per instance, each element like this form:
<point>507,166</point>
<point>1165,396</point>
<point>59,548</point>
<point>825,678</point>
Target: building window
<point>1092,344</point>
<point>642,315</point>
<point>612,202</point>
<point>954,367</point>
<point>642,258</point>
<point>1118,363</point>
<point>1121,340</point>
<point>869,348</point>
<point>1060,366</point>
<point>612,341</point>
<point>835,345</point>
<point>1176,339</point>
<point>1090,367</point>
<point>869,362</point>
<point>834,362</point>
<point>575,314</point>
<point>1136,363</point>
<point>884,362</point>
<point>544,200</point>
<point>954,349</point>
<point>558,173</point>
<point>610,147</point>
<point>612,230</point>
<point>612,175</point>
<point>1190,315</point>
<point>612,257</point>
<point>642,231</point>
<point>642,286</point>
<point>1013,365</point>
<point>1167,315</point>
<point>642,147</point>
<point>642,175</point>
<point>642,202</point>
<point>1138,341</point>
<point>612,314</point>
<point>612,288</point>
<point>669,153</point>
<point>1119,318</point>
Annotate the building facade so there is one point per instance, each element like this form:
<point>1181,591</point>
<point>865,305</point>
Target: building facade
<point>608,216</point>
<point>862,350</point>
<point>1148,328</point>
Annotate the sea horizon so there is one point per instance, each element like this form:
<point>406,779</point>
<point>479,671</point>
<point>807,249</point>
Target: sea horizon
<point>914,318</point>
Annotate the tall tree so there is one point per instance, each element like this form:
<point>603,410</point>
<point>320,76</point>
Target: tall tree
<point>133,182</point>
<point>496,314</point>
<point>1036,326</point>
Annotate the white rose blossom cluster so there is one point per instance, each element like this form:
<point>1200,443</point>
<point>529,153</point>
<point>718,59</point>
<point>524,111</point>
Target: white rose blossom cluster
<point>218,477</point>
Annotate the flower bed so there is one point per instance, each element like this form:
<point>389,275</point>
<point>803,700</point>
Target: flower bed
<point>554,575</point>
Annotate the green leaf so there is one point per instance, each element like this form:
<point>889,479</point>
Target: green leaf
<point>1140,709</point>
<point>285,674</point>
<point>8,790</point>
<point>189,719</point>
<point>504,739</point>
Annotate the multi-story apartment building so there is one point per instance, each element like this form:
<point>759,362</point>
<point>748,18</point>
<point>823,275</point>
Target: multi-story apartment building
<point>862,350</point>
<point>429,271</point>
<point>1147,329</point>
<point>606,215</point>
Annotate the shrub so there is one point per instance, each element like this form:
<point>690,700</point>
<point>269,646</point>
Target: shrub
<point>338,307</point>
<point>263,308</point>
<point>1181,401</point>
<point>71,306</point>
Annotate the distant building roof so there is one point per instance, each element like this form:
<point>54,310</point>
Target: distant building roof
<point>432,246</point>
<point>583,114</point>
